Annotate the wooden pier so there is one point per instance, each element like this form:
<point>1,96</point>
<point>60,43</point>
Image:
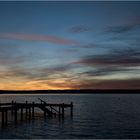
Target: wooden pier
<point>27,110</point>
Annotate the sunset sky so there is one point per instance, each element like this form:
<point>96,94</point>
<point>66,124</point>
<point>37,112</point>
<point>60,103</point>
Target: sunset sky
<point>69,45</point>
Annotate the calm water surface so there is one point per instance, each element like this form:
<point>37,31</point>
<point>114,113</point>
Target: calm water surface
<point>95,116</point>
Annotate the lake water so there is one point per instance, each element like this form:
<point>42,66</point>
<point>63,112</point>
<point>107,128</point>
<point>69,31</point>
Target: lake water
<point>95,116</point>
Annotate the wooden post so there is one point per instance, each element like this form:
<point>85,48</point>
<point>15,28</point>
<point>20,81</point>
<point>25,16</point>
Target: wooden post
<point>16,115</point>
<point>55,114</point>
<point>29,113</point>
<point>44,114</point>
<point>6,117</point>
<point>71,110</point>
<point>12,107</point>
<point>59,111</point>
<point>2,118</point>
<point>33,110</point>
<point>21,117</point>
<point>44,110</point>
<point>63,111</point>
<point>15,108</point>
<point>26,110</point>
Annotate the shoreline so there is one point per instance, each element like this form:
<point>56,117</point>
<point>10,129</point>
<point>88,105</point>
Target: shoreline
<point>85,91</point>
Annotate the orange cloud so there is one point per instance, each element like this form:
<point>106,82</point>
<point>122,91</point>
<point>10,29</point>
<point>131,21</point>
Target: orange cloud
<point>60,78</point>
<point>38,37</point>
<point>66,84</point>
<point>35,85</point>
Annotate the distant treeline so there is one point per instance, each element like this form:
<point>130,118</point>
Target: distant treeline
<point>82,91</point>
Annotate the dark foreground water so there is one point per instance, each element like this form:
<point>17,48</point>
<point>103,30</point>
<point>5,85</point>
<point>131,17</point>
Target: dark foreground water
<point>95,116</point>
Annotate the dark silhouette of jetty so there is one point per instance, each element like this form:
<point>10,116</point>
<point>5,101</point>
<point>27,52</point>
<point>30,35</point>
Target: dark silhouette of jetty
<point>28,110</point>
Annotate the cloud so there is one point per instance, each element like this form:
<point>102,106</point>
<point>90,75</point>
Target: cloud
<point>109,84</point>
<point>103,71</point>
<point>121,29</point>
<point>79,29</point>
<point>57,84</point>
<point>131,25</point>
<point>59,68</point>
<point>46,78</point>
<point>116,62</point>
<point>125,58</point>
<point>90,46</point>
<point>96,45</point>
<point>44,73</point>
<point>37,37</point>
<point>55,72</point>
<point>10,55</point>
<point>18,73</point>
<point>9,61</point>
<point>56,77</point>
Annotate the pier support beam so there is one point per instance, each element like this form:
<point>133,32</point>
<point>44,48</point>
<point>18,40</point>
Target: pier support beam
<point>71,110</point>
<point>44,114</point>
<point>21,113</point>
<point>29,113</point>
<point>6,117</point>
<point>59,111</point>
<point>2,118</point>
<point>12,110</point>
<point>33,110</point>
<point>26,110</point>
<point>15,115</point>
<point>63,111</point>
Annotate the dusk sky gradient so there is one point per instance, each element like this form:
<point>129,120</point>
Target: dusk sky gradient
<point>69,45</point>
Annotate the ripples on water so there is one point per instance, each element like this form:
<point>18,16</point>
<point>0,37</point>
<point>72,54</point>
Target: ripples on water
<point>95,116</point>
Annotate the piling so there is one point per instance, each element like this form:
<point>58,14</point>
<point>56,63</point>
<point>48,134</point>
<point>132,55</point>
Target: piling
<point>44,114</point>
<point>21,113</point>
<point>59,111</point>
<point>71,109</point>
<point>12,110</point>
<point>44,110</point>
<point>26,110</point>
<point>6,117</point>
<point>63,111</point>
<point>29,113</point>
<point>33,110</point>
<point>2,118</point>
<point>15,114</point>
